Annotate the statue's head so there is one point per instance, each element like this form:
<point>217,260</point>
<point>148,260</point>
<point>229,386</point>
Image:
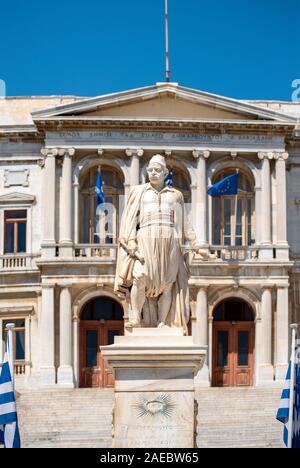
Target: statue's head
<point>157,168</point>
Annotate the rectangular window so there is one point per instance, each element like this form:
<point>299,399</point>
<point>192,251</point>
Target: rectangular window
<point>222,348</point>
<point>91,348</point>
<point>18,338</point>
<point>243,348</point>
<point>15,223</point>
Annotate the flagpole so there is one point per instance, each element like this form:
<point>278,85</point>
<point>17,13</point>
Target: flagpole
<point>235,213</point>
<point>167,40</point>
<point>10,346</point>
<point>294,328</point>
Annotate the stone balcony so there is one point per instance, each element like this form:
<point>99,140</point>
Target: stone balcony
<point>106,254</point>
<point>19,262</point>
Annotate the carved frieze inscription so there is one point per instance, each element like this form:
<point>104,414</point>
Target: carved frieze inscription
<point>111,138</point>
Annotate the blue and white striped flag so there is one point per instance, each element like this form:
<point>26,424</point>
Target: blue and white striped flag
<point>283,413</point>
<point>9,430</point>
<point>169,179</point>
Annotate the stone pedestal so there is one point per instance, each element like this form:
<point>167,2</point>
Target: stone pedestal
<point>154,388</point>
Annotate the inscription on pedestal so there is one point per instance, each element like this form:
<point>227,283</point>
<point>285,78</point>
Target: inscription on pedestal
<point>154,419</point>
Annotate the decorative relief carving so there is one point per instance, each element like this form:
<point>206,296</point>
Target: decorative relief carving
<point>17,177</point>
<point>160,405</point>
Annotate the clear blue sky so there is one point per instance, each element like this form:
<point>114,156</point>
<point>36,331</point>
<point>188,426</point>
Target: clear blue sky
<point>241,48</point>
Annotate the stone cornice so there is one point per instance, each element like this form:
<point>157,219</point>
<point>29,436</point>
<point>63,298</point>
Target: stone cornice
<point>17,197</point>
<point>16,311</point>
<point>157,91</point>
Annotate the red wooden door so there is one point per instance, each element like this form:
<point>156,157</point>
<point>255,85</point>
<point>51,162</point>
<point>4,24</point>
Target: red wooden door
<point>233,359</point>
<point>93,369</point>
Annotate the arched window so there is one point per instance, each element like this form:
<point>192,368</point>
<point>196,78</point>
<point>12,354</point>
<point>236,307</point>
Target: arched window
<point>102,308</point>
<point>233,216</point>
<point>100,226</point>
<point>233,310</point>
<point>181,182</point>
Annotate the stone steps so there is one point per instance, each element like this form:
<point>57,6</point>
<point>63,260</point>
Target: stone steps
<point>66,418</point>
<point>227,417</point>
<point>238,418</point>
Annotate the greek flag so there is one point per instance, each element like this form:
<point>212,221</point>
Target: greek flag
<point>99,190</point>
<point>169,179</point>
<point>9,430</point>
<point>283,413</point>
<point>226,186</point>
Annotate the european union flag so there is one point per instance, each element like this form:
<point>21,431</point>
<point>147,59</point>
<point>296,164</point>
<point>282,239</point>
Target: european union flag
<point>9,430</point>
<point>226,186</point>
<point>99,190</point>
<point>169,179</point>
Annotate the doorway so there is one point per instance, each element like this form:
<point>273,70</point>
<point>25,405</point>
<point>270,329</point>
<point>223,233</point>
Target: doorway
<point>233,344</point>
<point>101,321</point>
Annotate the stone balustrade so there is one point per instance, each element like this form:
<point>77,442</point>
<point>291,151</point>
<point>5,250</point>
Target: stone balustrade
<point>106,251</point>
<point>19,262</point>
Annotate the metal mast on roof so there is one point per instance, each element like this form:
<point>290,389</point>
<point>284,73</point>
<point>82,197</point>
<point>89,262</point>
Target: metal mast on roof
<point>167,41</point>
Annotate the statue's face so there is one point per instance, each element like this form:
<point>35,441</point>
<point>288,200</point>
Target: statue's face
<point>156,173</point>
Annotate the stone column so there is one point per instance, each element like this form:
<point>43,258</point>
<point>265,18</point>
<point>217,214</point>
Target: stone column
<point>266,251</point>
<point>265,345</point>
<point>65,375</point>
<point>65,218</point>
<point>282,248</point>
<point>282,332</point>
<point>47,368</point>
<point>200,222</point>
<point>201,336</point>
<point>27,346</point>
<point>257,215</point>
<point>76,349</point>
<point>48,202</point>
<point>76,211</point>
<point>134,154</point>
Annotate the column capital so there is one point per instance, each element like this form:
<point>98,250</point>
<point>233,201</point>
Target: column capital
<point>201,154</point>
<point>281,156</point>
<point>100,151</point>
<point>65,285</point>
<point>134,152</point>
<point>202,287</point>
<point>66,152</point>
<point>49,152</point>
<point>282,286</point>
<point>266,287</point>
<point>265,155</point>
<point>48,285</point>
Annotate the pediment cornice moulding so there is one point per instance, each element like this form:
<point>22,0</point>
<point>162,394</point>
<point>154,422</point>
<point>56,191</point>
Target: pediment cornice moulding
<point>16,197</point>
<point>158,90</point>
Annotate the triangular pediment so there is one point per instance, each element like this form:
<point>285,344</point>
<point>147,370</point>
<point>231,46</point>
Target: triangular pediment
<point>163,101</point>
<point>17,197</point>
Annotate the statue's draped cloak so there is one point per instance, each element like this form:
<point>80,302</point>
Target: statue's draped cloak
<point>128,267</point>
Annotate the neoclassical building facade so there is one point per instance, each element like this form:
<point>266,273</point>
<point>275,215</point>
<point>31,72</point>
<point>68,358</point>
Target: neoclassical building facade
<point>58,252</point>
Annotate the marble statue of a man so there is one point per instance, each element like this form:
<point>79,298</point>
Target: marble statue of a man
<point>150,264</point>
